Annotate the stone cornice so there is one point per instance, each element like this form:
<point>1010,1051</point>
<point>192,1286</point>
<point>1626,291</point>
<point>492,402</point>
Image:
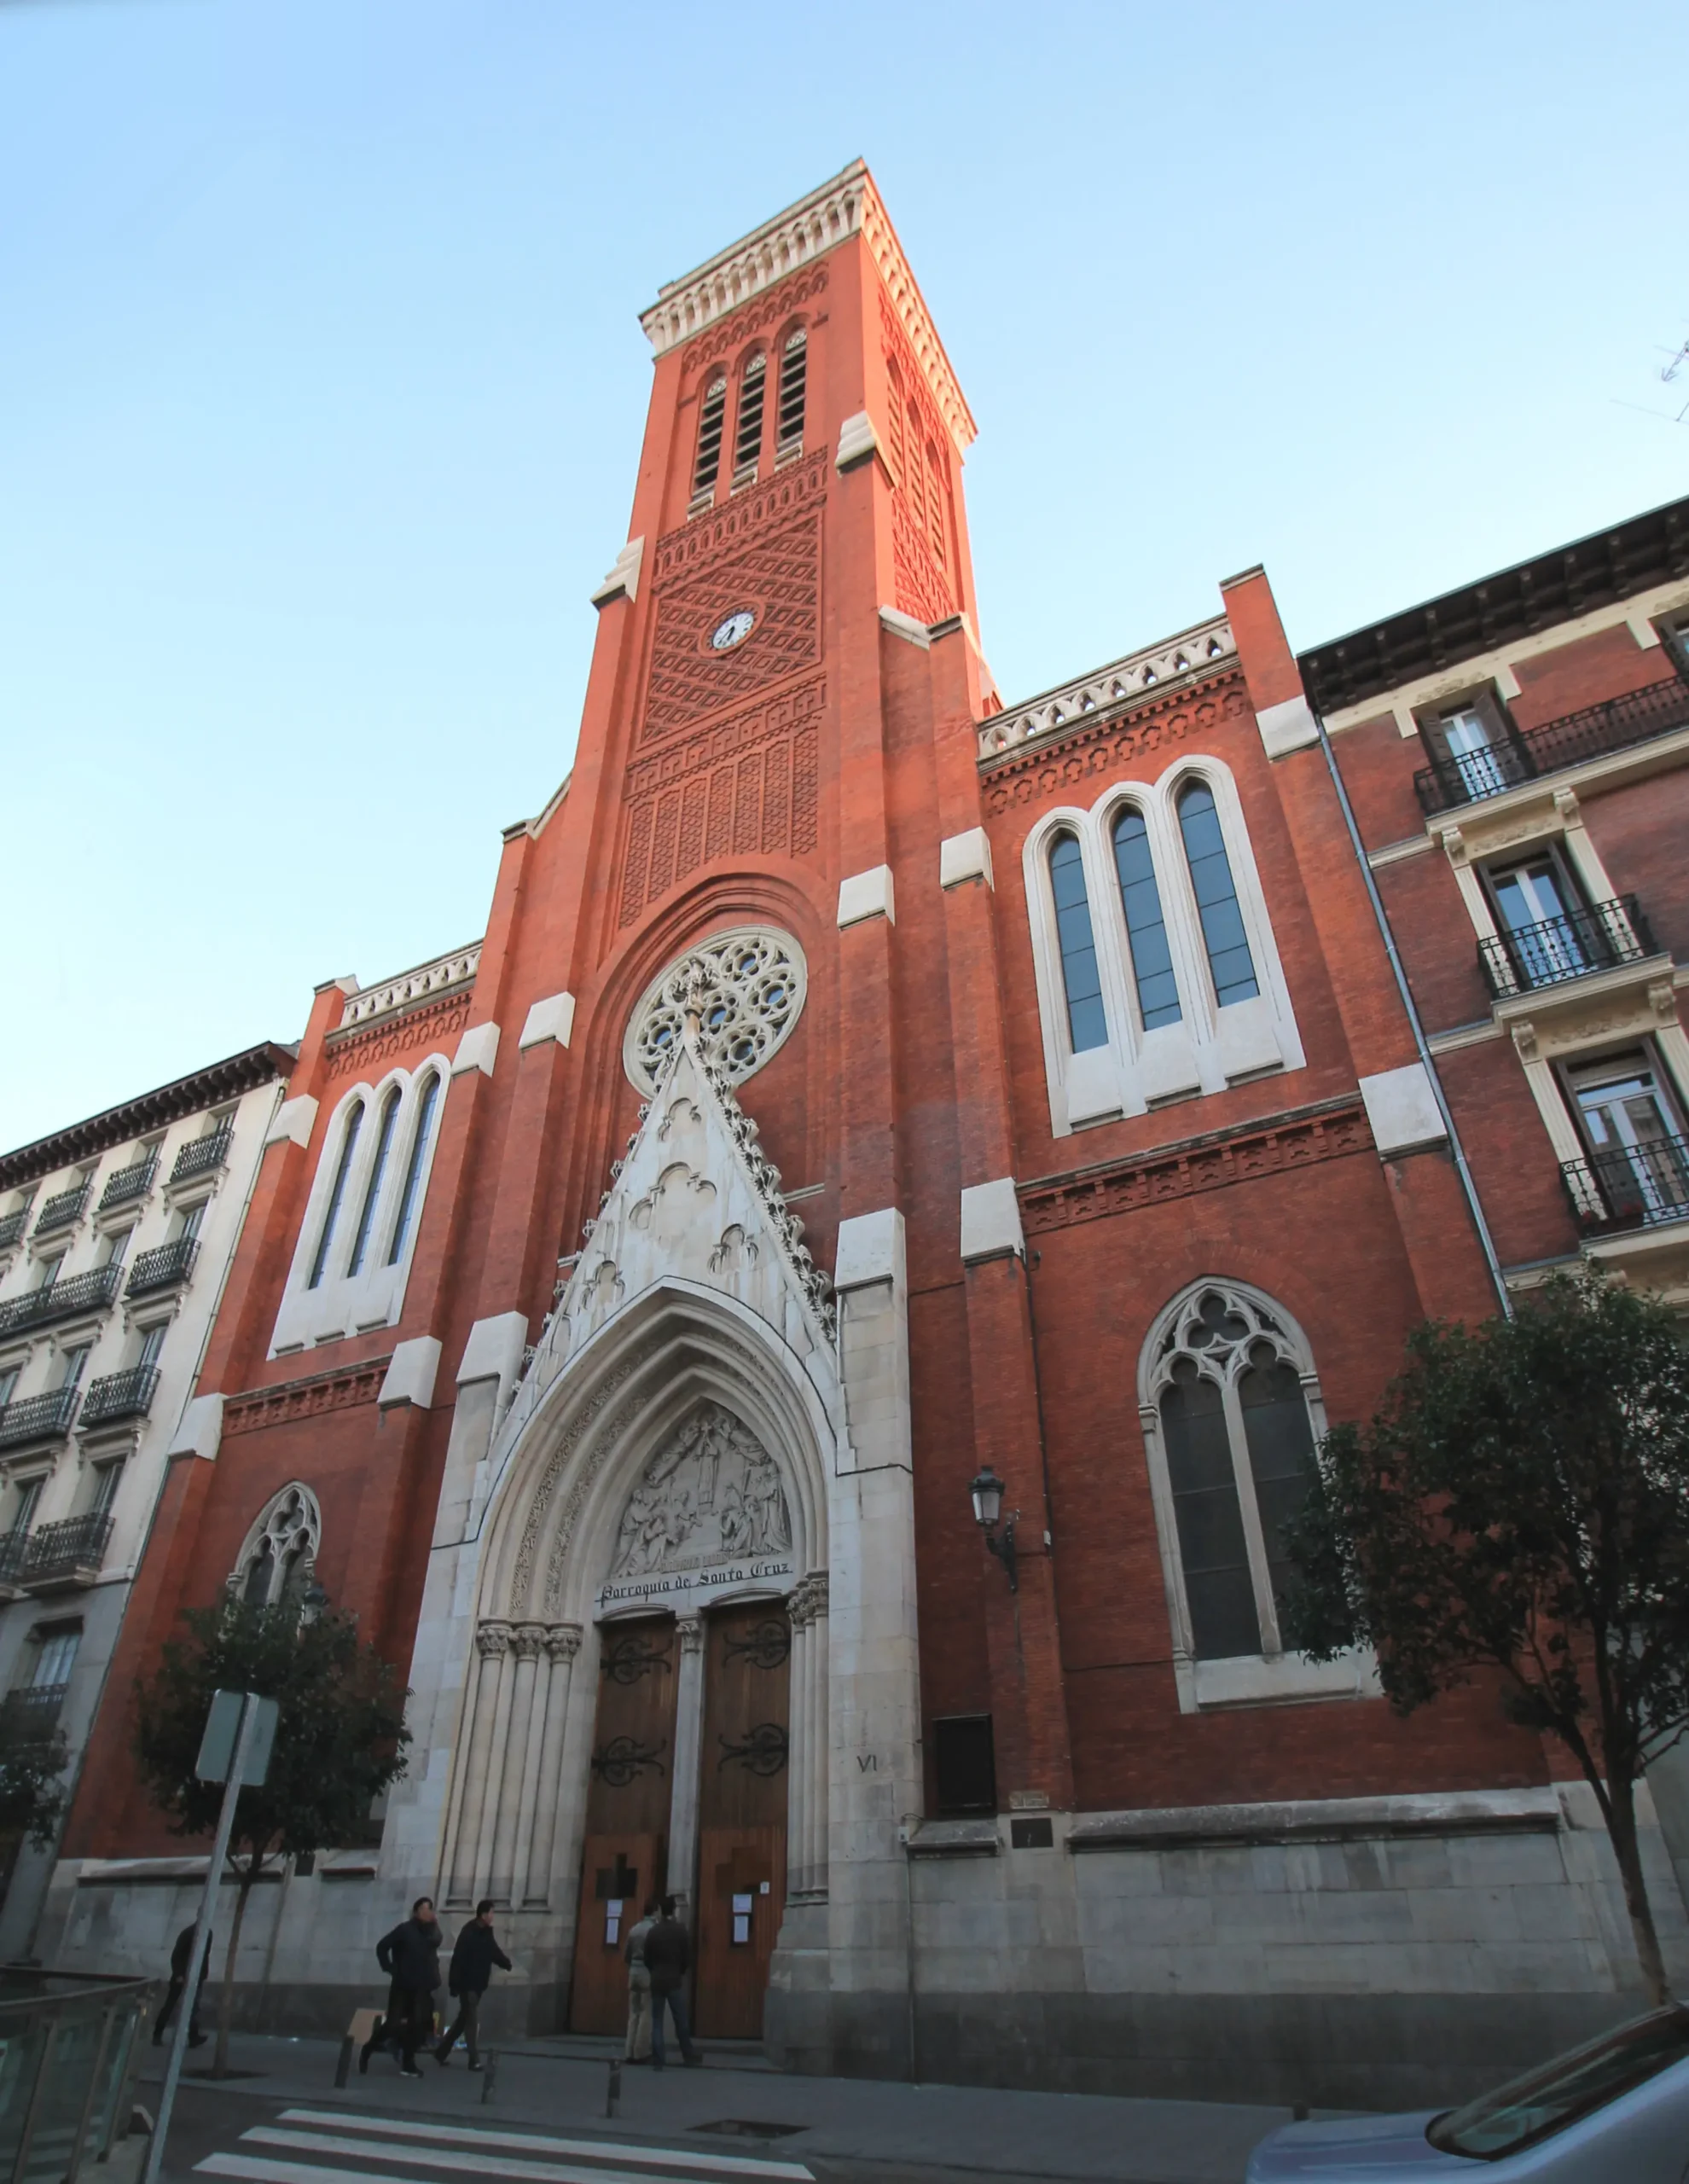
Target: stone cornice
<point>1153,672</point>
<point>345,1388</point>
<point>846,205</point>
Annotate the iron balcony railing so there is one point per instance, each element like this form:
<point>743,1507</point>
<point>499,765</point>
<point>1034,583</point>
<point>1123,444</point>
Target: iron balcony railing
<point>13,1554</point>
<point>12,1226</point>
<point>1658,709</point>
<point>31,1715</point>
<point>126,1183</point>
<point>37,1418</point>
<point>1630,1185</point>
<point>60,1300</point>
<point>63,1208</point>
<point>120,1395</point>
<point>201,1155</point>
<point>73,2044</point>
<point>164,1266</point>
<point>75,1548</point>
<point>1568,946</point>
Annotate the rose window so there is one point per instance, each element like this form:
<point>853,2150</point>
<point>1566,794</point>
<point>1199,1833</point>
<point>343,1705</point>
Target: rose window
<point>748,987</point>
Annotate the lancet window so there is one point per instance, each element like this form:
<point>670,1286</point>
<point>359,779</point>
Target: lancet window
<point>280,1554</point>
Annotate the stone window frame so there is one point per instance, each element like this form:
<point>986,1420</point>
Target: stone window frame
<point>1210,1047</point>
<point>1276,1678</point>
<point>304,1538</point>
<point>343,1304</point>
<point>665,997</point>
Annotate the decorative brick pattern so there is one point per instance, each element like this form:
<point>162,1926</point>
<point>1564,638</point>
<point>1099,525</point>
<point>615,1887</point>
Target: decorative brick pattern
<point>1113,744</point>
<point>1298,1139</point>
<point>346,1389</point>
<point>432,1024</point>
<point>779,580</point>
<point>764,316</point>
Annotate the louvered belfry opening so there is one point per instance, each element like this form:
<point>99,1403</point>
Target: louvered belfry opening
<point>747,442</point>
<point>711,419</point>
<point>794,377</point>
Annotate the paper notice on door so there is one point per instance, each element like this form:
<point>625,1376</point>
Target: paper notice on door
<point>741,1919</point>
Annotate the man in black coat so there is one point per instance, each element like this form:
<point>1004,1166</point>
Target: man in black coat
<point>180,1957</point>
<point>410,1957</point>
<point>472,1962</point>
<point>668,1954</point>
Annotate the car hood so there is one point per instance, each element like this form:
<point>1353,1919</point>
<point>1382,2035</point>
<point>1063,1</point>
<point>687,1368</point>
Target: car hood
<point>1357,2148</point>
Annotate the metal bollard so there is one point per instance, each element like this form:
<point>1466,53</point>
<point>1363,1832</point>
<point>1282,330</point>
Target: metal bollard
<point>489,2077</point>
<point>615,2092</point>
<point>343,2068</point>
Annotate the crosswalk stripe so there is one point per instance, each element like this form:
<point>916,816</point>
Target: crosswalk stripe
<point>705,2164</point>
<point>632,2165</point>
<point>258,2171</point>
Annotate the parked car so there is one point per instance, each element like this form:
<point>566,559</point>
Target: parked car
<point>1614,2112</point>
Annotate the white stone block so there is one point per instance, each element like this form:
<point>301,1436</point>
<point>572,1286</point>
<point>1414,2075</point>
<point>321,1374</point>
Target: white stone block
<point>553,1018</point>
<point>900,624</point>
<point>991,1221</point>
<point>494,1349</point>
<point>411,1377</point>
<point>294,1120</point>
<point>966,856</point>
<point>1286,728</point>
<point>1401,1108</point>
<point>866,895</point>
<point>857,442</point>
<point>870,1249</point>
<point>477,1049</point>
<point>623,581</point>
<point>201,1432</point>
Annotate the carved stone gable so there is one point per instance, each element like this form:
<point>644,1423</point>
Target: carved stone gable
<point>711,1494</point>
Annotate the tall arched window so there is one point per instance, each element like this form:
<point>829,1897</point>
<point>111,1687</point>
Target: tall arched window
<point>1229,961</point>
<point>793,373</point>
<point>712,417</point>
<point>1227,1395</point>
<point>348,1147</point>
<point>1086,1024</point>
<point>1145,927</point>
<point>415,1166</point>
<point>278,1557</point>
<point>935,503</point>
<point>378,1171</point>
<point>747,439</point>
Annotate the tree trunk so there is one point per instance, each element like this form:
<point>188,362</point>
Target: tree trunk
<point>225,2000</point>
<point>1622,1827</point>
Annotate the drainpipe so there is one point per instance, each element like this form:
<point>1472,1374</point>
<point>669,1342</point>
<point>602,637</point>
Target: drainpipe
<point>1469,1189</point>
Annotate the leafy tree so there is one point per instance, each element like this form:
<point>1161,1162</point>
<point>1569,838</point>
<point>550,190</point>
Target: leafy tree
<point>1520,1507</point>
<point>339,1740</point>
<point>32,1794</point>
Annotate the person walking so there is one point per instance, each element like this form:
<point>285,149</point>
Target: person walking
<point>410,1957</point>
<point>180,1958</point>
<point>668,1952</point>
<point>472,1958</point>
<point>637,2046</point>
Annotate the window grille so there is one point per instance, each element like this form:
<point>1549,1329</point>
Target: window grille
<point>348,1147</point>
<point>747,441</point>
<point>711,419</point>
<point>384,1146</point>
<point>793,376</point>
<point>414,1168</point>
<point>1229,961</point>
<point>1086,1024</point>
<point>1146,926</point>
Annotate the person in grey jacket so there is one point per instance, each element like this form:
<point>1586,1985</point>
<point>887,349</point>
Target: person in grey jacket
<point>668,1953</point>
<point>472,1960</point>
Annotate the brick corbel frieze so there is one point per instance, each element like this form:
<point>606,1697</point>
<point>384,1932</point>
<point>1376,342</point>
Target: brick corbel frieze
<point>1098,743</point>
<point>1331,1129</point>
<point>430,1023</point>
<point>347,1389</point>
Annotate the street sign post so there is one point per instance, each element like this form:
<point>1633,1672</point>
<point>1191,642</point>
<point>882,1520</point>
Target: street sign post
<point>240,1735</point>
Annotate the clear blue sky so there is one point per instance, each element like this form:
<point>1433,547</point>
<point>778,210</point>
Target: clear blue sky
<point>320,388</point>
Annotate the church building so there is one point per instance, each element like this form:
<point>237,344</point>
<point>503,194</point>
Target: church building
<point>799,1340</point>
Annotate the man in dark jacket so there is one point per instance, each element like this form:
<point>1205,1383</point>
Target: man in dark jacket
<point>410,1957</point>
<point>668,1952</point>
<point>180,1957</point>
<point>472,1962</point>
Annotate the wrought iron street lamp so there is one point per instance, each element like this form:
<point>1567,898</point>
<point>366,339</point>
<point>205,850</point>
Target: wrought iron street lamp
<point>987,1490</point>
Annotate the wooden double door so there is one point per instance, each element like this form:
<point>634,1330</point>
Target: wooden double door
<point>734,1812</point>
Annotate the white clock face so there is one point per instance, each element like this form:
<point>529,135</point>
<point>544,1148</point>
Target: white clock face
<point>733,631</point>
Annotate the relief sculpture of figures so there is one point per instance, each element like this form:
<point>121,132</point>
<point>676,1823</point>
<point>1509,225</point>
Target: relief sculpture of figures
<point>710,1493</point>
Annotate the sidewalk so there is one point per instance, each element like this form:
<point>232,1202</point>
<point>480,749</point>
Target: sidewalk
<point>561,2084</point>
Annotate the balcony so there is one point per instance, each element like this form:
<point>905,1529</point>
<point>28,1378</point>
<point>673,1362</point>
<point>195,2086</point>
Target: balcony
<point>126,1184</point>
<point>201,1156</point>
<point>164,1266</point>
<point>68,1555</point>
<point>1658,709</point>
<point>12,1226</point>
<point>39,1417</point>
<point>60,1300</point>
<point>1572,945</point>
<point>61,1210</point>
<point>1627,1187</point>
<point>120,1395</point>
<point>31,1715</point>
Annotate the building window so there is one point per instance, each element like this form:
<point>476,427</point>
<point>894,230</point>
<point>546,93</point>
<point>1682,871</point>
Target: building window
<point>280,1554</point>
<point>712,416</point>
<point>750,985</point>
<point>9,1376</point>
<point>1086,1024</point>
<point>1145,927</point>
<point>49,1270</point>
<point>964,1765</point>
<point>747,439</point>
<point>1229,962</point>
<point>152,1343</point>
<point>114,1245</point>
<point>353,1125</point>
<point>378,1170</point>
<point>415,1167</point>
<point>1638,1153</point>
<point>1674,630</point>
<point>108,1476</point>
<point>793,373</point>
<point>1537,908</point>
<point>73,1363</point>
<point>24,1508</point>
